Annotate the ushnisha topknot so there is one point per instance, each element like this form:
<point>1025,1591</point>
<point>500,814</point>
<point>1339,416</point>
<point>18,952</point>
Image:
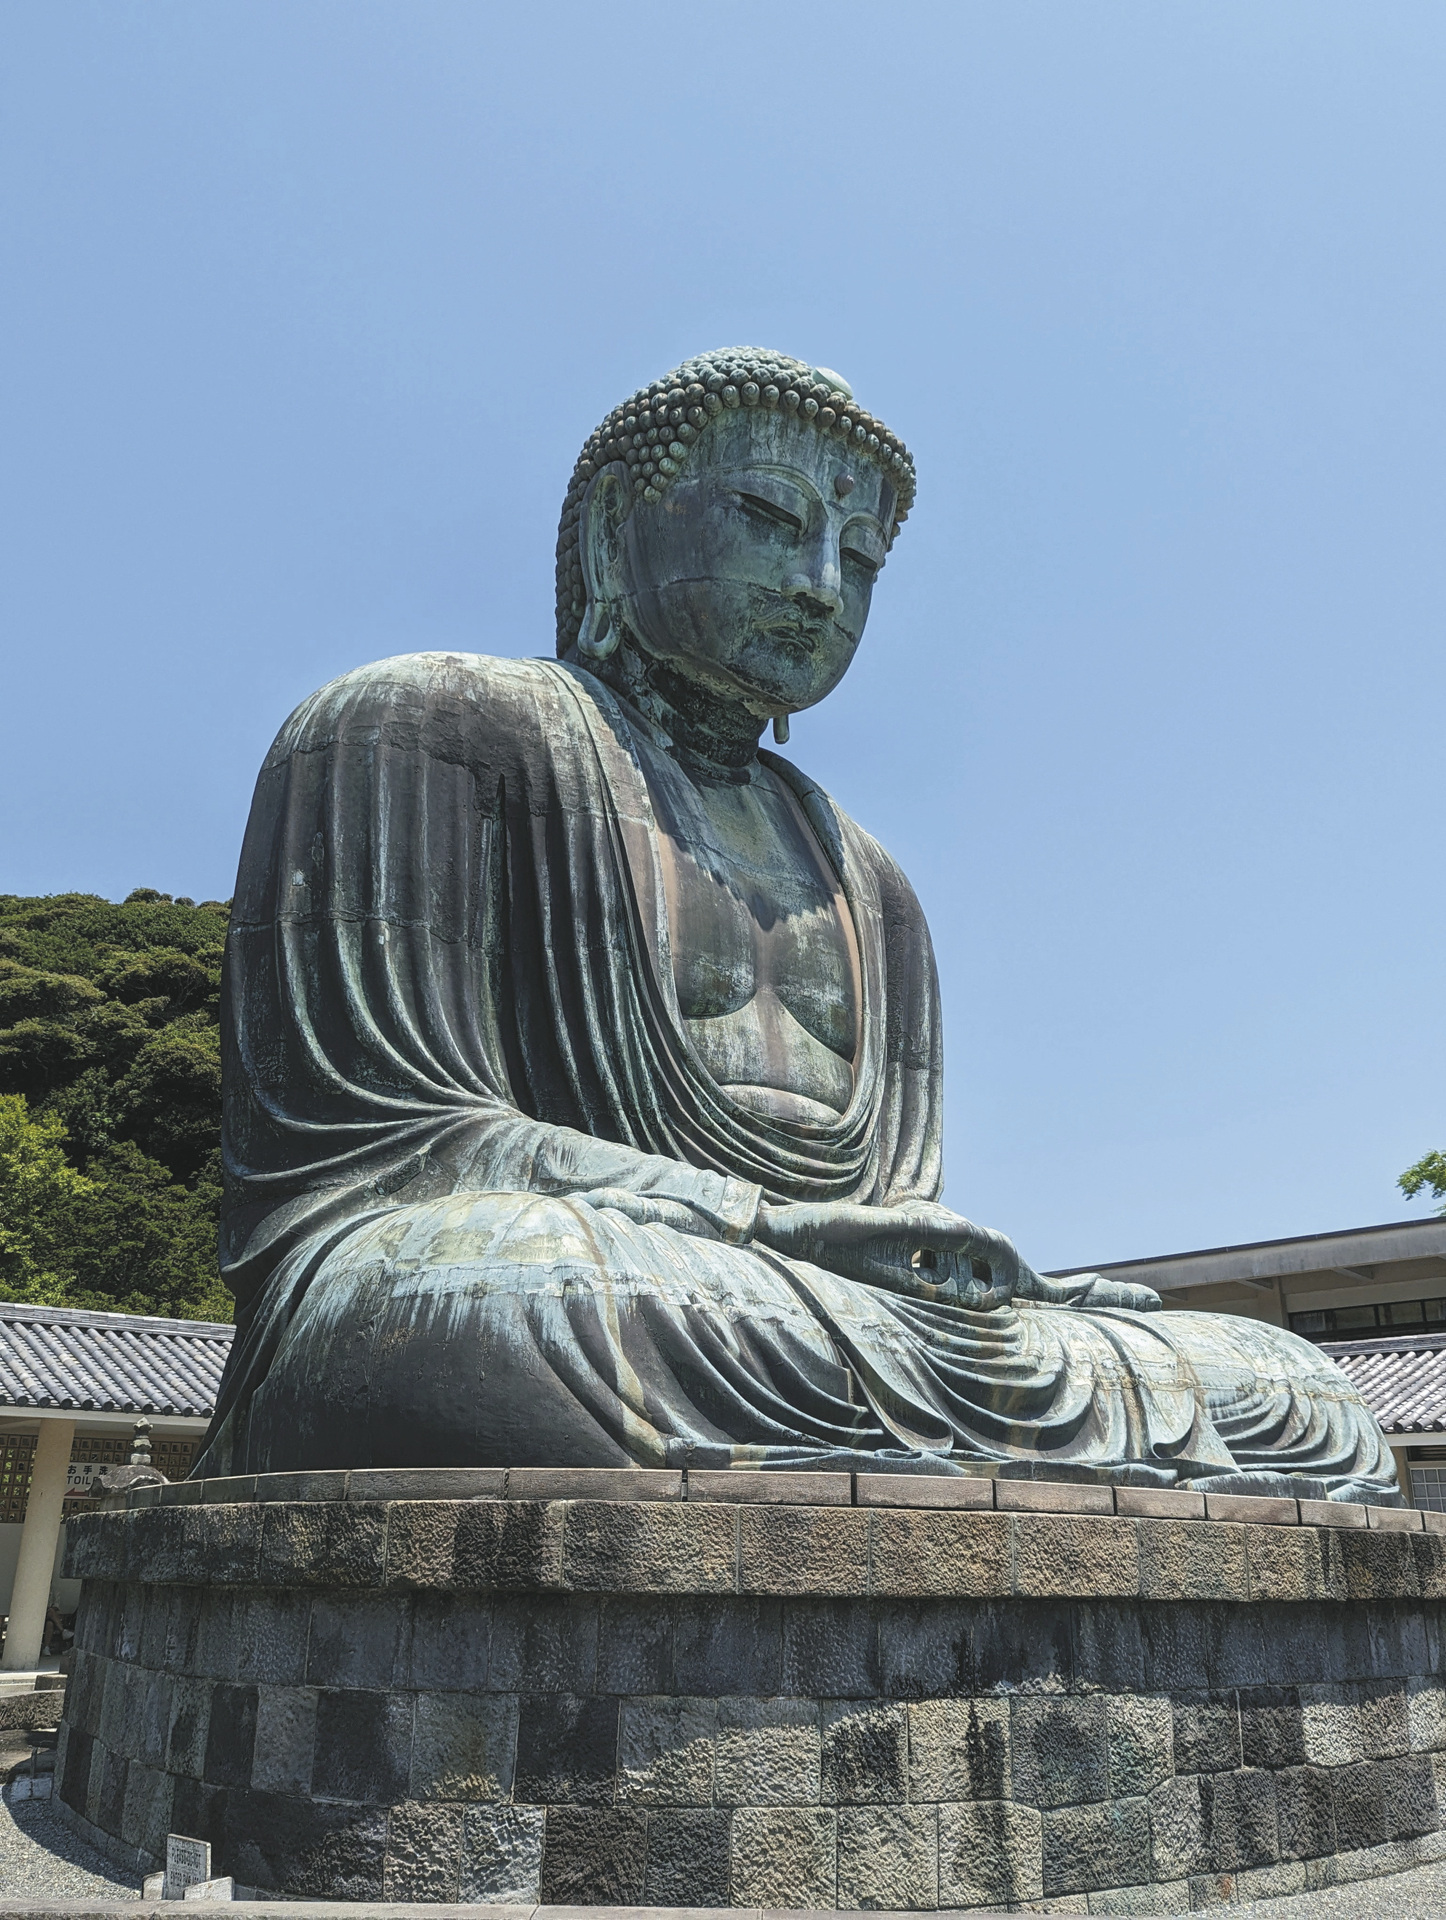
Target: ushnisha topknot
<point>654,430</point>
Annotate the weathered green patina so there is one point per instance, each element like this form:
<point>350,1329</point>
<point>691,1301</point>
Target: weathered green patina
<point>583,1062</point>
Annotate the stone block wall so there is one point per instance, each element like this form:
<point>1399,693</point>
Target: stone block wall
<point>687,1700</point>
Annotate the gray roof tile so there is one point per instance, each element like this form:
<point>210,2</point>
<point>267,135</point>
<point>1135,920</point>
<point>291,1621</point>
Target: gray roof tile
<point>1402,1378</point>
<point>58,1357</point>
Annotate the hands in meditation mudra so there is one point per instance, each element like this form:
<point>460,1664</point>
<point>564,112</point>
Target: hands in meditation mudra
<point>583,1067</point>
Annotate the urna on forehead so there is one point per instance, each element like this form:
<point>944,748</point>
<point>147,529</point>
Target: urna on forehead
<point>653,432</point>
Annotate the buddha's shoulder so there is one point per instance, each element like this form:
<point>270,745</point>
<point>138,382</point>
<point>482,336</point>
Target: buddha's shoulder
<point>428,696</point>
<point>847,843</point>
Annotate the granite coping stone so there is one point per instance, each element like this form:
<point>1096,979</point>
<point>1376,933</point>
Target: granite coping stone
<point>1160,1503</point>
<point>952,1491</point>
<point>751,1487</point>
<point>1267,1510</point>
<point>669,1545</point>
<point>1338,1513</point>
<point>756,1487</point>
<point>1398,1519</point>
<point>1052,1496</point>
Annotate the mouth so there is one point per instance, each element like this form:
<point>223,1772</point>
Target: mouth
<point>793,628</point>
<point>799,636</point>
<point>785,626</point>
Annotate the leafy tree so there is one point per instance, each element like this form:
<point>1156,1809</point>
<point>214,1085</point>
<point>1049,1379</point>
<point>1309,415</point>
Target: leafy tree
<point>38,1057</point>
<point>170,1098</point>
<point>140,1243</point>
<point>110,1102</point>
<point>40,1194</point>
<point>1429,1171</point>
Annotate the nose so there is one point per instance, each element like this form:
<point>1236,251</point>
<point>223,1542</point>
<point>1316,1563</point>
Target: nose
<point>819,597</point>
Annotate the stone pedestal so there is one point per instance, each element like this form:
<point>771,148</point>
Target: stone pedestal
<point>758,1690</point>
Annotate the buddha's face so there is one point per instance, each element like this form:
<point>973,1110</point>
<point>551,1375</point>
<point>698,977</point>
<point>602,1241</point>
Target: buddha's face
<point>753,573</point>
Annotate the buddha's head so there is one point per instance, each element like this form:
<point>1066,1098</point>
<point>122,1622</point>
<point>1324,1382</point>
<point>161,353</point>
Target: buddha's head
<point>723,532</point>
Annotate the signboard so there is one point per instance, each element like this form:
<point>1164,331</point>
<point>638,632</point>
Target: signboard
<point>188,1863</point>
<point>80,1477</point>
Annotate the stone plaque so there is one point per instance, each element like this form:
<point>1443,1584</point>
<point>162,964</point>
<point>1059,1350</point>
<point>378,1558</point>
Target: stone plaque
<point>188,1863</point>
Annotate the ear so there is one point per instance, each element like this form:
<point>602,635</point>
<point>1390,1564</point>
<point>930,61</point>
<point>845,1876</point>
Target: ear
<point>888,508</point>
<point>605,508</point>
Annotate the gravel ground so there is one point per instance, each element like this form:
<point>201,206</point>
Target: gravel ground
<point>41,1859</point>
<point>1417,1894</point>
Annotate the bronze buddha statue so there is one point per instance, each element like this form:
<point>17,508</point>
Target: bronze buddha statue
<point>583,1064</point>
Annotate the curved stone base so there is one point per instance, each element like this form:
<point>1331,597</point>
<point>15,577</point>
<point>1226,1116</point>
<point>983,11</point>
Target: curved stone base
<point>821,1692</point>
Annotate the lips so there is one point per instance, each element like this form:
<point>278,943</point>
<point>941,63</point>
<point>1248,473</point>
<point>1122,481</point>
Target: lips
<point>783,622</point>
<point>807,637</point>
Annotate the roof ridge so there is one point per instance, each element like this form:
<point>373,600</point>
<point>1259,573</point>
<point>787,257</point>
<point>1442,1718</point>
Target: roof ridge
<point>1386,1343</point>
<point>1251,1246</point>
<point>16,1310</point>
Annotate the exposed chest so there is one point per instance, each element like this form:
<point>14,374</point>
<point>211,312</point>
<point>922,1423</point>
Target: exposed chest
<point>764,959</point>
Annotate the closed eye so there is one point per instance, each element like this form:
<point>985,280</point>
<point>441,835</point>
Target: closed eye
<point>762,509</point>
<point>864,560</point>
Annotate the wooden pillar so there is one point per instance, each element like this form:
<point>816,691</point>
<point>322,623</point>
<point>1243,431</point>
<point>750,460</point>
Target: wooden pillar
<point>31,1594</point>
<point>1403,1473</point>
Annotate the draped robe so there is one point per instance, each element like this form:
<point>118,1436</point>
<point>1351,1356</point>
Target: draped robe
<point>485,1205</point>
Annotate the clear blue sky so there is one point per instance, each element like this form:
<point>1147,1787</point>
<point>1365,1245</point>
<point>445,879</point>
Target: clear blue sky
<point>306,306</point>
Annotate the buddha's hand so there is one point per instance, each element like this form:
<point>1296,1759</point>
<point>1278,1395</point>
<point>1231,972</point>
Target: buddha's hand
<point>917,1248</point>
<point>650,1210</point>
<point>1120,1293</point>
<point>1086,1290</point>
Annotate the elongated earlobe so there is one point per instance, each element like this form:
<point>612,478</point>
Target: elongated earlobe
<point>599,634</point>
<point>780,730</point>
<point>604,510</point>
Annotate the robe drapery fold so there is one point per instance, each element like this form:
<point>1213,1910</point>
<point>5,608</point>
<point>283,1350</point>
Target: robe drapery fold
<point>449,1014</point>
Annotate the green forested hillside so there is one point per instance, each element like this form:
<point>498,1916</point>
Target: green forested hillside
<point>110,1102</point>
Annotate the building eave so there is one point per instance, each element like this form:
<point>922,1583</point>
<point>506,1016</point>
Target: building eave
<point>1261,1262</point>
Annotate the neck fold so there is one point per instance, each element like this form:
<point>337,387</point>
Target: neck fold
<point>712,735</point>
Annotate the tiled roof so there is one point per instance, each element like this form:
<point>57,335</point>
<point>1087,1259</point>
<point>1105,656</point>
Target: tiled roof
<point>1402,1378</point>
<point>109,1362</point>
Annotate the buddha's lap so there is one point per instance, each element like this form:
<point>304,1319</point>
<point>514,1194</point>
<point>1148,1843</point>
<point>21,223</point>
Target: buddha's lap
<point>514,1329</point>
<point>490,1256</point>
<point>511,1329</point>
<point>479,1260</point>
